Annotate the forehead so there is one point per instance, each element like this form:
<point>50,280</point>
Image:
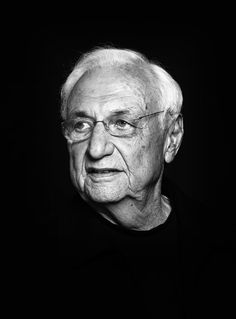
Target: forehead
<point>104,90</point>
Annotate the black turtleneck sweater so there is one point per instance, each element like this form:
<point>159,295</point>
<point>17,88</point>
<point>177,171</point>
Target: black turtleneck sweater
<point>83,266</point>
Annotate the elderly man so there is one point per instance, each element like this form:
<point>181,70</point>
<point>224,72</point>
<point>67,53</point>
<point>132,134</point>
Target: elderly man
<point>131,245</point>
<point>122,121</point>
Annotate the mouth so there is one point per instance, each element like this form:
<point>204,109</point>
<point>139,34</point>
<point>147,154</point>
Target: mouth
<point>102,172</point>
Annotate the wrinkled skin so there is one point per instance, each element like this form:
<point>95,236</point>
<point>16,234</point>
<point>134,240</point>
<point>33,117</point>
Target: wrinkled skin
<point>139,158</point>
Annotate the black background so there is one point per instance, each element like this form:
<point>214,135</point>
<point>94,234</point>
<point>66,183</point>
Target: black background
<point>41,57</point>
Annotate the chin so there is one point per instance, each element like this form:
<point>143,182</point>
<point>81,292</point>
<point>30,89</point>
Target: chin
<point>104,190</point>
<point>104,195</point>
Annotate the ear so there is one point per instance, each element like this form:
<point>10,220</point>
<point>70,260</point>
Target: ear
<point>173,139</point>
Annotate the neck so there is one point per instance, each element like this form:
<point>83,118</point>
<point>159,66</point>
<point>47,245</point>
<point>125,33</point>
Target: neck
<point>140,215</point>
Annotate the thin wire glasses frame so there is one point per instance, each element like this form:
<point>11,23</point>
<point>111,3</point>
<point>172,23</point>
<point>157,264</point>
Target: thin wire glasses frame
<point>111,126</point>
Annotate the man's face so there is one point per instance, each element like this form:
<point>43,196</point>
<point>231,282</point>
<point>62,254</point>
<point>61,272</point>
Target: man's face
<point>107,168</point>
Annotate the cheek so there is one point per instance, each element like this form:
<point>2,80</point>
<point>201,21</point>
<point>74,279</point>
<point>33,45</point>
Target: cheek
<point>77,171</point>
<point>76,158</point>
<point>137,162</point>
<point>147,159</point>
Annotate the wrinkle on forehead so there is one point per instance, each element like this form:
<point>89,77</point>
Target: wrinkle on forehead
<point>126,81</point>
<point>107,86</point>
<point>144,77</point>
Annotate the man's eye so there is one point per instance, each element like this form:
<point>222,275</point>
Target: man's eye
<point>122,124</point>
<point>82,126</point>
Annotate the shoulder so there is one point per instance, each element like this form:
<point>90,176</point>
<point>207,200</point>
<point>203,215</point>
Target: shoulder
<point>207,223</point>
<point>207,254</point>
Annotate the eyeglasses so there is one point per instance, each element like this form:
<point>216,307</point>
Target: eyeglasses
<point>80,128</point>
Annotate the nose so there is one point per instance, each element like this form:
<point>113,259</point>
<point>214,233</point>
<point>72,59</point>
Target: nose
<point>99,143</point>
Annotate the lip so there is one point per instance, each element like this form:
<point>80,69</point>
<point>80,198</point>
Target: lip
<point>100,173</point>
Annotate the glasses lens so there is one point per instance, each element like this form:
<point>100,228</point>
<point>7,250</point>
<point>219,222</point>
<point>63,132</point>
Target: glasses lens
<point>80,128</point>
<point>121,127</point>
<point>77,129</point>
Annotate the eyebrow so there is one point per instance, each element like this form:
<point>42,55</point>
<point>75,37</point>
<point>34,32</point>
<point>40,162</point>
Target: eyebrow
<point>85,114</point>
<point>80,114</point>
<point>121,112</point>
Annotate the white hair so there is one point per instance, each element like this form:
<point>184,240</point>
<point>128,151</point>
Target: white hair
<point>163,88</point>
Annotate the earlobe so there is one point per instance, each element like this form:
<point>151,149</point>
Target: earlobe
<point>173,139</point>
